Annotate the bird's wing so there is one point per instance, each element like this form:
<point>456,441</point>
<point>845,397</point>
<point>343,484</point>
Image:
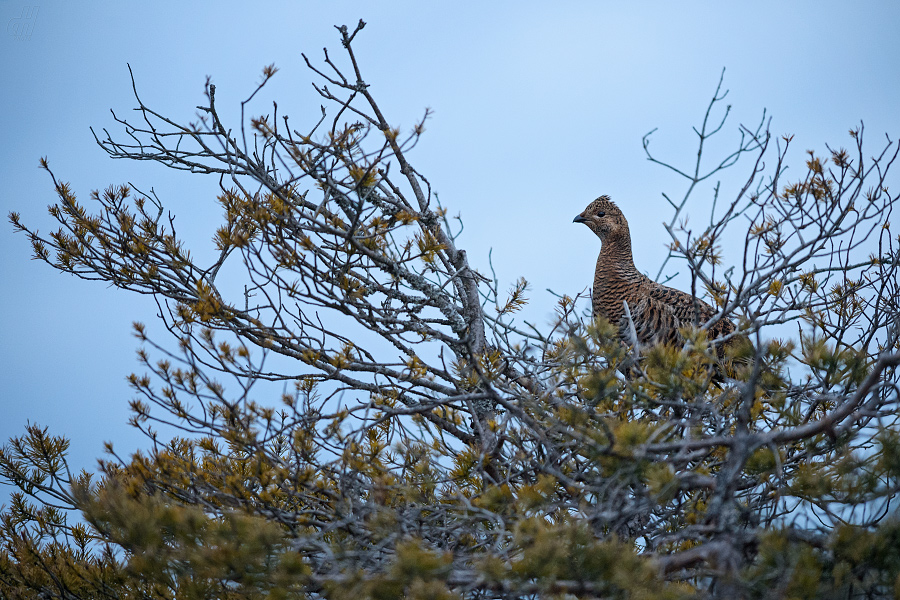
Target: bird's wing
<point>690,311</point>
<point>654,323</point>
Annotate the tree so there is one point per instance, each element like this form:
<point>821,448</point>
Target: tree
<point>430,446</point>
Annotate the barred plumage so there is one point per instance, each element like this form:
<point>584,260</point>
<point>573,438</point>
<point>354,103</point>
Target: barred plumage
<point>657,311</point>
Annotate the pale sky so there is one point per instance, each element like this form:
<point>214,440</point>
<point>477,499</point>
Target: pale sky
<point>539,107</point>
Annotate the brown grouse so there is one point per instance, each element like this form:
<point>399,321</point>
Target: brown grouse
<point>656,311</point>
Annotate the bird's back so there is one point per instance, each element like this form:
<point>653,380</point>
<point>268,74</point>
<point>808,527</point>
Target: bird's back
<point>680,310</point>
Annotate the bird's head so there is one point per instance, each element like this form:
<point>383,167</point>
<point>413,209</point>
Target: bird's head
<point>603,218</point>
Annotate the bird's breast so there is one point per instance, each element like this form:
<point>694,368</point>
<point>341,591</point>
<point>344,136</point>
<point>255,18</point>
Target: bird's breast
<point>610,289</point>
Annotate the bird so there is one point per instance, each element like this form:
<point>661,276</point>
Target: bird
<point>645,312</point>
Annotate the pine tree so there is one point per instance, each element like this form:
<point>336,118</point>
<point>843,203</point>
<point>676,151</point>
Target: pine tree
<point>427,445</point>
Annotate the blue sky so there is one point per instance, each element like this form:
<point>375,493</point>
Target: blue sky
<point>538,108</point>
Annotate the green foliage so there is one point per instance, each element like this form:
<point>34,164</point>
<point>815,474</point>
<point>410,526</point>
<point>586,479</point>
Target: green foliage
<point>177,547</point>
<point>850,563</point>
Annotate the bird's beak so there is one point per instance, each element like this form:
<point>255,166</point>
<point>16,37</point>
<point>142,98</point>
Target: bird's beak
<point>579,219</point>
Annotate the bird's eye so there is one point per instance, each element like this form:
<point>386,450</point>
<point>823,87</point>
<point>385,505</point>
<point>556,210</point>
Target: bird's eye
<point>601,214</point>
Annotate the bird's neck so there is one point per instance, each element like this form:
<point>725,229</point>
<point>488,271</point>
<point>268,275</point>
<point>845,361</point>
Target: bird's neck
<point>615,256</point>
